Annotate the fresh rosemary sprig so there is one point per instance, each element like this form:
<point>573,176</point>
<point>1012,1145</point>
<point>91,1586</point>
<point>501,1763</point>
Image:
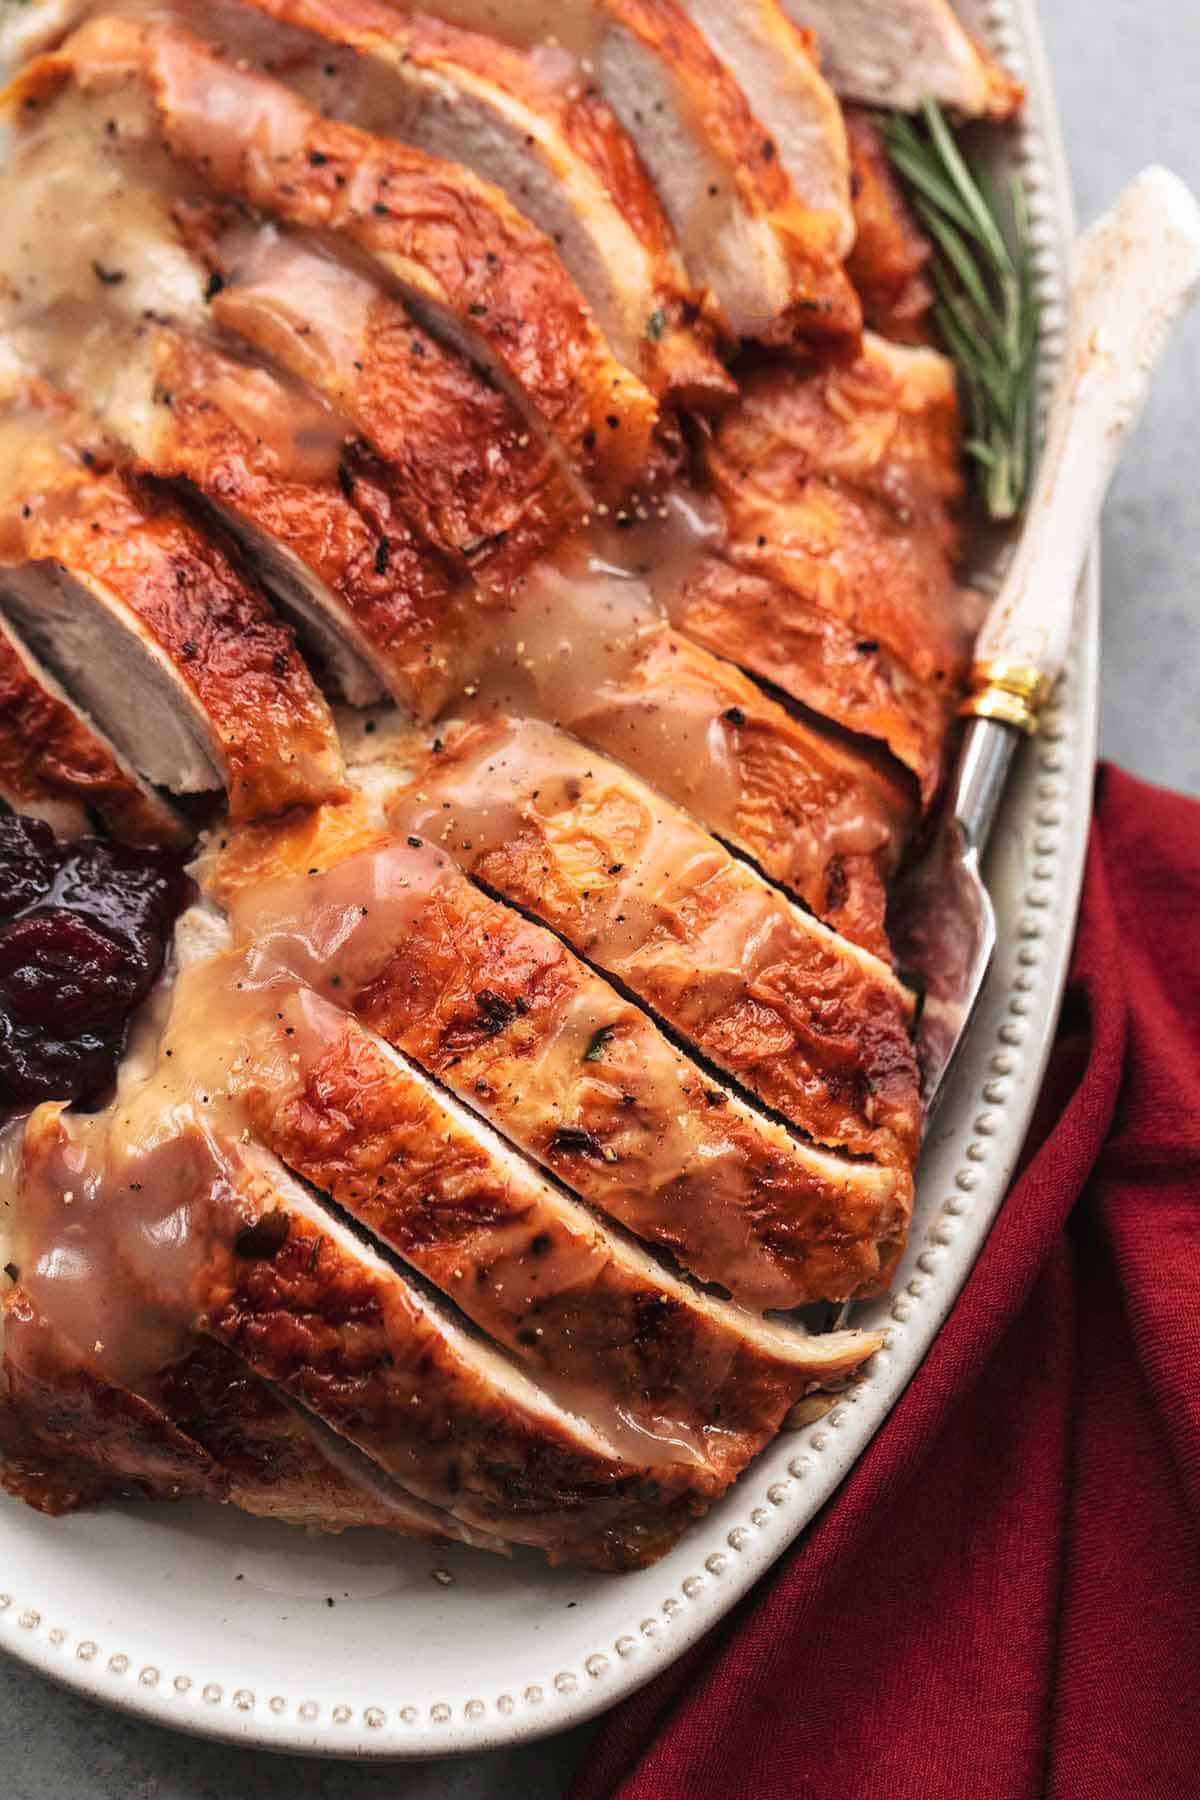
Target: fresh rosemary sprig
<point>986,308</point>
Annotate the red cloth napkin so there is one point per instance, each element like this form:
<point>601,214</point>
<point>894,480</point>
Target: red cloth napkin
<point>1004,1599</point>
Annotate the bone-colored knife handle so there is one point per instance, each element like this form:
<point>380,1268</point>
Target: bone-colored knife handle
<point>1136,270</point>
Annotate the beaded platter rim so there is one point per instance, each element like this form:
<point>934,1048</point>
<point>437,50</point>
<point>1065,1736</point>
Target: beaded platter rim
<point>552,1672</point>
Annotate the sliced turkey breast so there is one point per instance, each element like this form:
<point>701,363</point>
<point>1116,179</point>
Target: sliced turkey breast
<point>449,1177</point>
<point>279,1462</point>
<point>73,1431</point>
<point>56,764</point>
<point>894,55</point>
<point>772,265</point>
<point>453,247</point>
<point>776,68</point>
<point>589,649</point>
<point>335,1327</point>
<point>891,253</point>
<point>601,1323</point>
<point>843,487</point>
<point>596,1319</point>
<point>748,765</point>
<point>238,1290</point>
<point>282,1463</point>
<point>328,543</point>
<point>473,481</point>
<point>168,647</point>
<point>209,1429</point>
<point>786,637</point>
<point>257,1263</point>
<point>311,514</point>
<point>314,514</point>
<point>496,1009</point>
<point>584,644</point>
<point>464,468</point>
<point>817,1028</point>
<point>551,144</point>
<point>310,505</point>
<point>72,1437</point>
<point>815,815</point>
<point>119,320</point>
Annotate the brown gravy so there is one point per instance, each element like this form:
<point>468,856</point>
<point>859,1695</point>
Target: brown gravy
<point>117,1225</point>
<point>113,1219</point>
<point>116,1215</point>
<point>93,271</point>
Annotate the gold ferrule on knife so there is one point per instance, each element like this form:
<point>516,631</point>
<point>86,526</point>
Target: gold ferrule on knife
<point>1012,693</point>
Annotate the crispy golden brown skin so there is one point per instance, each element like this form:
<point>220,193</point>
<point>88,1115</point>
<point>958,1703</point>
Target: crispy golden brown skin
<point>267,1455</point>
<point>843,486</point>
<point>206,1429</point>
<point>585,1311</point>
<point>851,476</point>
<point>580,144</point>
<point>51,758</point>
<point>344,527</point>
<point>824,312</point>
<point>70,1438</point>
<point>789,777</point>
<point>485,1001</point>
<point>353,1349</point>
<point>888,262</point>
<point>279,1281</point>
<point>821,660</point>
<point>270,724</point>
<point>453,452</point>
<point>431,226</point>
<point>812,1027</point>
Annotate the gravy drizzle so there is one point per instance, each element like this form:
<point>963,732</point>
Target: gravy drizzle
<point>120,1224</point>
<point>93,272</point>
<point>583,644</point>
<point>584,641</point>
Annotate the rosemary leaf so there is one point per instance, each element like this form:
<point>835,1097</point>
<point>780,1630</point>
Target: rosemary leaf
<point>991,238</point>
<point>957,253</point>
<point>986,308</point>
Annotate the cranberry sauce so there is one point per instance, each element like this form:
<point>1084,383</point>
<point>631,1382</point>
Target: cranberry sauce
<point>84,929</point>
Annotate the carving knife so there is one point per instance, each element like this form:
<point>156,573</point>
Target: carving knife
<point>1136,271</point>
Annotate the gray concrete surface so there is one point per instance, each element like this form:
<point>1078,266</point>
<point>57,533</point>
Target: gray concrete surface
<point>1128,74</point>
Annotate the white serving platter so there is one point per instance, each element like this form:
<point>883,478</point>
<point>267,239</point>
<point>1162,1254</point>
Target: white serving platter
<point>206,1620</point>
